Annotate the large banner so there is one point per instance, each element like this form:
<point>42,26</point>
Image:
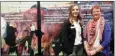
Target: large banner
<point>55,13</point>
<point>19,24</point>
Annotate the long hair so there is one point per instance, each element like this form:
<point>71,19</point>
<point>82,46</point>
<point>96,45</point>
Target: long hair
<point>78,17</point>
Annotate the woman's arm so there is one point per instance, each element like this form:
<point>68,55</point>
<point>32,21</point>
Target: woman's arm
<point>86,48</point>
<point>85,38</point>
<point>86,45</point>
<point>85,41</point>
<point>106,38</point>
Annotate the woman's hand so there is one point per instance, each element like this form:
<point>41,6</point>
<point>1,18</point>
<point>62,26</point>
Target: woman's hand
<point>92,52</point>
<point>87,48</point>
<point>88,52</point>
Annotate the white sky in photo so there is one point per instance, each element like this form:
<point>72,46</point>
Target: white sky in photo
<point>16,6</point>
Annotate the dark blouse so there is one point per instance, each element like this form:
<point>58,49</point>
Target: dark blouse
<point>68,37</point>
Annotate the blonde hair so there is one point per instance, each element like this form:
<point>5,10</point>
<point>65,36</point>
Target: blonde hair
<point>78,17</point>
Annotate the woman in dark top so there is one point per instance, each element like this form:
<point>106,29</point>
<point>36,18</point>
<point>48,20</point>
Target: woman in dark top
<point>72,37</point>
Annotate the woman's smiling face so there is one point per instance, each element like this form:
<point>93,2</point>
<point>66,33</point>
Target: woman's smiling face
<point>75,11</point>
<point>96,12</point>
